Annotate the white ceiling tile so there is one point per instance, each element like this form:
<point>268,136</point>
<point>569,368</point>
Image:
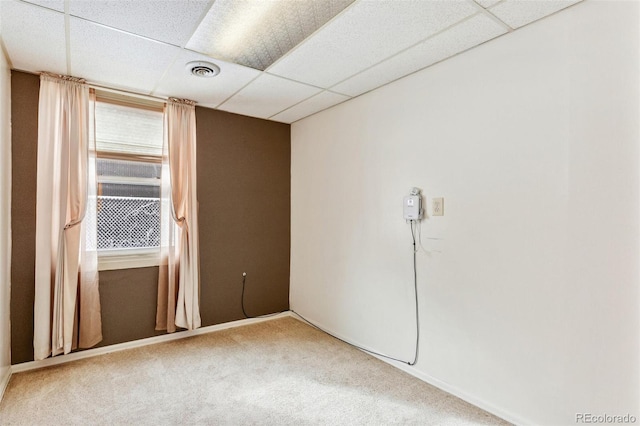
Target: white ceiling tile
<point>169,21</point>
<point>179,82</point>
<point>463,36</point>
<point>257,33</point>
<point>486,3</point>
<point>366,33</point>
<point>351,54</point>
<point>117,59</point>
<point>310,106</point>
<point>517,13</point>
<point>268,95</point>
<point>34,37</point>
<point>49,4</point>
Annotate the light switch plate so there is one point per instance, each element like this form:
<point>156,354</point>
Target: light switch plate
<point>437,206</point>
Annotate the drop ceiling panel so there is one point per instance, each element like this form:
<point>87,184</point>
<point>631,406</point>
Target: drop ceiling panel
<point>463,36</point>
<point>34,37</point>
<point>310,106</point>
<point>257,33</point>
<point>486,3</point>
<point>164,20</point>
<point>49,4</point>
<point>179,82</point>
<point>117,59</point>
<point>268,95</point>
<point>517,13</point>
<point>132,45</point>
<point>366,33</point>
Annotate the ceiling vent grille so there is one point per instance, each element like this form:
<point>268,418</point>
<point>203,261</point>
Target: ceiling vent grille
<point>203,69</point>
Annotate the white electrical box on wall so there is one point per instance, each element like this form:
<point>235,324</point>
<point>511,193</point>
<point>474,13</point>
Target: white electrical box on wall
<point>437,206</point>
<point>412,205</point>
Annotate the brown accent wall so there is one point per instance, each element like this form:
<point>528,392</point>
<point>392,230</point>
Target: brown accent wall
<point>24,138</point>
<point>244,194</point>
<point>244,181</point>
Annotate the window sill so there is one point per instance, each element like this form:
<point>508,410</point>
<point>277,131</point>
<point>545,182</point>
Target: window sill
<point>109,260</point>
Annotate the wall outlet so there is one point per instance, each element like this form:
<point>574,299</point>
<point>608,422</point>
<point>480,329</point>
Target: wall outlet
<point>437,206</point>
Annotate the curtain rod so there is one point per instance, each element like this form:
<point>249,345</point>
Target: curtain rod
<point>159,99</point>
<point>107,89</point>
<point>127,93</point>
<point>149,98</point>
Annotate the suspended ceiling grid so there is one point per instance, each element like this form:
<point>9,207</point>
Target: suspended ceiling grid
<point>330,52</point>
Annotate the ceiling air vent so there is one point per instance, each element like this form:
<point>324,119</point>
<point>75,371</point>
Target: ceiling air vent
<point>203,69</point>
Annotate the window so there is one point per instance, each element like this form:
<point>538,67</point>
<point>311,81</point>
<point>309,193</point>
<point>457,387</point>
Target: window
<point>129,164</point>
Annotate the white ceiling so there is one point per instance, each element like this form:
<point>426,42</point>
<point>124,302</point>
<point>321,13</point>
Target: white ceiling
<point>140,46</point>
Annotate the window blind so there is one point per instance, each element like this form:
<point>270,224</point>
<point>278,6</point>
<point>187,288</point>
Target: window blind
<point>126,130</point>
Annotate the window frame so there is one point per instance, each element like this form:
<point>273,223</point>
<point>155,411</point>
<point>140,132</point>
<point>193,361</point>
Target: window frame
<point>128,258</point>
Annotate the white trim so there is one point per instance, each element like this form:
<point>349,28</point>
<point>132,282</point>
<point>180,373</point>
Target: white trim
<point>124,95</point>
<point>5,376</point>
<point>455,391</point>
<point>127,180</point>
<point>109,260</point>
<point>444,386</point>
<point>89,353</point>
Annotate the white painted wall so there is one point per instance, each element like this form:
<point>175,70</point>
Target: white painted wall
<point>530,308</point>
<point>5,220</point>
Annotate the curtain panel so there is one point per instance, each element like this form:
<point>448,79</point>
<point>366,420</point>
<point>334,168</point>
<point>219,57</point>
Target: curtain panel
<point>67,302</point>
<point>179,276</point>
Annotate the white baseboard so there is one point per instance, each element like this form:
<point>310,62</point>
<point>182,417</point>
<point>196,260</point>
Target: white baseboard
<point>5,376</point>
<point>453,390</point>
<point>33,365</point>
<point>61,359</point>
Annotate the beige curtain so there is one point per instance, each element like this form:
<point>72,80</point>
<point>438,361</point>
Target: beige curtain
<point>179,277</point>
<point>67,303</point>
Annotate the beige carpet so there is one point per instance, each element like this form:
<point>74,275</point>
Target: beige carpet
<point>278,372</point>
